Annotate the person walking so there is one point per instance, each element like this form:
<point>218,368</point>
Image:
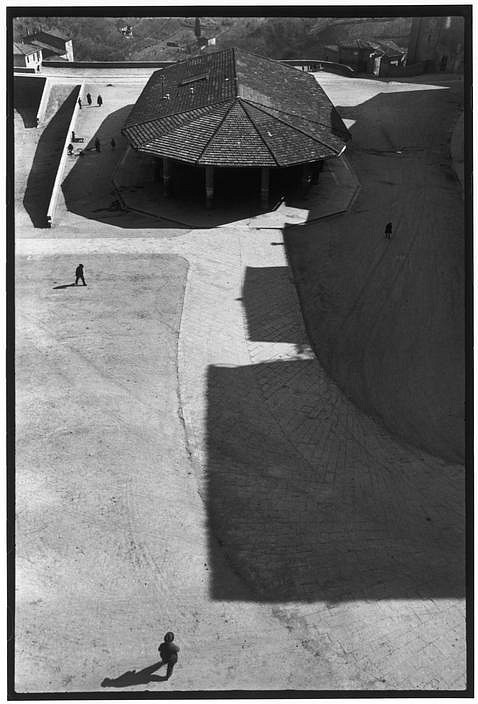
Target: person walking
<point>388,230</point>
<point>113,143</point>
<point>79,102</point>
<point>169,654</point>
<point>79,275</point>
<point>97,145</point>
<point>99,100</point>
<point>88,98</point>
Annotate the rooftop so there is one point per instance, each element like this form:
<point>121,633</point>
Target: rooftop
<point>26,49</point>
<point>232,108</point>
<point>51,39</point>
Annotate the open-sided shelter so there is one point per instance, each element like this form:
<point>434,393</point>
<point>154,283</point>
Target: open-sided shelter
<point>231,108</point>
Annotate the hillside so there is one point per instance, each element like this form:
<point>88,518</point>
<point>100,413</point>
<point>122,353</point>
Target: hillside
<point>100,38</point>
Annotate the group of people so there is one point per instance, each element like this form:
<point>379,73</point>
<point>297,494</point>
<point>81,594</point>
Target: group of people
<point>89,100</point>
<point>97,146</point>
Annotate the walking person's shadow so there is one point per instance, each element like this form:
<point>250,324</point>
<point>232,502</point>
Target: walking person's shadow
<point>64,286</point>
<point>131,677</point>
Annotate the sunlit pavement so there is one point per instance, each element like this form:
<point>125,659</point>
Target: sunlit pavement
<point>310,501</point>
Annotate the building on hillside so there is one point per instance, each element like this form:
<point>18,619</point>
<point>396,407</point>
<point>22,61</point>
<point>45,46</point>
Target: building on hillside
<point>234,110</point>
<point>438,42</point>
<point>55,46</point>
<point>366,56</point>
<point>26,58</point>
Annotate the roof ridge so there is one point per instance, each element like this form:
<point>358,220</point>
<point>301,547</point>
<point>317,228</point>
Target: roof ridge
<point>264,109</point>
<point>296,129</point>
<point>235,79</point>
<point>216,130</point>
<point>240,100</point>
<point>261,56</point>
<point>178,112</point>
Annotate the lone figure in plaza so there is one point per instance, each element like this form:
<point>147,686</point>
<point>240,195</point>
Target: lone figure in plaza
<point>79,275</point>
<point>88,98</point>
<point>388,230</point>
<point>169,654</point>
<point>99,100</point>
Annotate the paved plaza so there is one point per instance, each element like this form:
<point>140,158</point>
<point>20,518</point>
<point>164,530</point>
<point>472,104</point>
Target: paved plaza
<point>183,450</point>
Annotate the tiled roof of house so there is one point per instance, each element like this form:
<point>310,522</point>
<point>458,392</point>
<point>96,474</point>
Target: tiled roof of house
<point>26,49</point>
<point>52,38</point>
<point>232,108</point>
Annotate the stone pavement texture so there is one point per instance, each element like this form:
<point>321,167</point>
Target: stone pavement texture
<point>141,191</point>
<point>240,499</point>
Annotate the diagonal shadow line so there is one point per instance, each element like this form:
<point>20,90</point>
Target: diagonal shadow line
<point>63,286</point>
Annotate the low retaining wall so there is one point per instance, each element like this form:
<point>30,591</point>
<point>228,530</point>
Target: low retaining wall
<point>21,69</point>
<point>44,101</point>
<point>319,65</point>
<point>59,174</point>
<point>107,64</point>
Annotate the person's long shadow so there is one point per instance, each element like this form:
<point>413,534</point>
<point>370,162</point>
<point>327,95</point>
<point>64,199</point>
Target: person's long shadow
<point>131,677</point>
<point>63,286</point>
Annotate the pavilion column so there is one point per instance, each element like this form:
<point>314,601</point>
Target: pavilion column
<point>166,177</point>
<point>315,174</point>
<point>305,179</point>
<point>209,186</point>
<point>265,186</point>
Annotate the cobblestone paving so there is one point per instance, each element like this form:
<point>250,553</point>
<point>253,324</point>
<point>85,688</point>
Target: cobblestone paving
<point>349,545</point>
<point>389,614</point>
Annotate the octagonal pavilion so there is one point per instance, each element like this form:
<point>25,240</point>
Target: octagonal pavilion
<point>230,109</point>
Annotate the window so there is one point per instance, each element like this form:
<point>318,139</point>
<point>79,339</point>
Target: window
<point>194,79</point>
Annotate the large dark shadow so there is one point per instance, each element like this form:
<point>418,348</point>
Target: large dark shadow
<point>46,162</point>
<point>386,318</point>
<point>266,306</point>
<point>27,94</point>
<point>355,524</point>
<point>132,677</point>
<point>309,499</point>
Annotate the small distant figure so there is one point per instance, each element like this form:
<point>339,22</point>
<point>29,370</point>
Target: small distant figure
<point>99,100</point>
<point>79,102</point>
<point>97,145</point>
<point>79,275</point>
<point>38,68</point>
<point>169,653</point>
<point>113,143</point>
<point>388,230</point>
<point>70,149</point>
<point>72,135</point>
<point>88,98</point>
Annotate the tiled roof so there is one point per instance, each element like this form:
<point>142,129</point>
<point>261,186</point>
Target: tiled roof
<point>26,49</point>
<point>49,38</point>
<point>232,108</point>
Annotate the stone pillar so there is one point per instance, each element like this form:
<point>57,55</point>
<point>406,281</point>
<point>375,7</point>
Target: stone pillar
<point>166,177</point>
<point>315,174</point>
<point>264,186</point>
<point>305,178</point>
<point>209,186</point>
